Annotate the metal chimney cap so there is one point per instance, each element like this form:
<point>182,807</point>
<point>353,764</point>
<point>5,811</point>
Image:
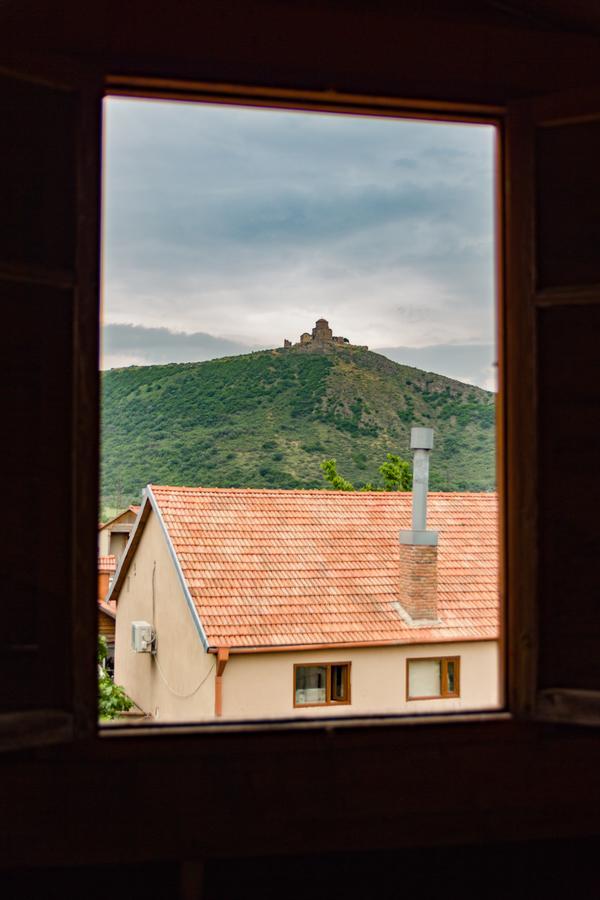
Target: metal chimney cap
<point>421,438</point>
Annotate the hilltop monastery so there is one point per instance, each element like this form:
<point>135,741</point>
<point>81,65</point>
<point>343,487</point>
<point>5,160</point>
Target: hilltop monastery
<point>322,335</point>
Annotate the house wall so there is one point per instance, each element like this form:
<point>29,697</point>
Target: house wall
<point>103,584</point>
<point>181,663</point>
<point>104,542</point>
<point>261,685</point>
<point>117,544</point>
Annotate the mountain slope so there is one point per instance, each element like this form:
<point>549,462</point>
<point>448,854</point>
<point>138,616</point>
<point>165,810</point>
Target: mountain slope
<point>267,419</point>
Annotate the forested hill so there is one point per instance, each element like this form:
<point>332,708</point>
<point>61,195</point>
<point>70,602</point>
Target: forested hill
<point>268,419</point>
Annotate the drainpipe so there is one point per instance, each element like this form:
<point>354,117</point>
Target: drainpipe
<point>222,658</point>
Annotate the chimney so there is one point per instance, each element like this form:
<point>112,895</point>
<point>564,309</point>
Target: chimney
<point>418,547</point>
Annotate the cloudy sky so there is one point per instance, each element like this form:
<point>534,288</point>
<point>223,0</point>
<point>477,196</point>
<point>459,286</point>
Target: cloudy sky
<point>230,229</point>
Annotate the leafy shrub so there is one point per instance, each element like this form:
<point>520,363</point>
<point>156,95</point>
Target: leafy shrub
<point>112,699</point>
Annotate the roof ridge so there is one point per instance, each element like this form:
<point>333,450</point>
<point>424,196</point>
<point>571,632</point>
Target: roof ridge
<point>319,491</point>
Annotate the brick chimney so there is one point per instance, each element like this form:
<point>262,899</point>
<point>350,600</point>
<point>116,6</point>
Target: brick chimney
<point>418,547</point>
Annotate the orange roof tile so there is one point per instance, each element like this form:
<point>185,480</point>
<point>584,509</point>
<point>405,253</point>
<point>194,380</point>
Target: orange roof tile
<point>107,564</point>
<point>273,568</point>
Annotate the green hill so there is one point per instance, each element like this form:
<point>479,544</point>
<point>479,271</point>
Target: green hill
<point>267,419</point>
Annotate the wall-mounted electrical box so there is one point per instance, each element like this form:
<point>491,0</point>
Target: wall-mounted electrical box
<point>142,637</point>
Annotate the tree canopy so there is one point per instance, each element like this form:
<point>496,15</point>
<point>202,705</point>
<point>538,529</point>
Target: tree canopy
<point>395,473</point>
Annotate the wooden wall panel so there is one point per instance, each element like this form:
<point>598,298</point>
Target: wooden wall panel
<point>36,495</point>
<point>37,164</point>
<point>568,204</point>
<point>106,627</point>
<point>569,485</point>
<point>462,51</point>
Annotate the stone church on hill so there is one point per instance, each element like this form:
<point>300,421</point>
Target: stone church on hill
<point>322,336</point>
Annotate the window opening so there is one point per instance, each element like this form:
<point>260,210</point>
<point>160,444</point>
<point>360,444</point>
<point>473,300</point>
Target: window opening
<point>322,684</point>
<point>298,411</point>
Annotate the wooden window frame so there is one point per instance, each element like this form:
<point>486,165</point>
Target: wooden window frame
<point>82,720</point>
<point>370,106</point>
<point>328,666</point>
<point>444,694</point>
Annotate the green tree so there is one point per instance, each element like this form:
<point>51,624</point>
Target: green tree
<point>330,474</point>
<point>112,699</point>
<point>395,473</point>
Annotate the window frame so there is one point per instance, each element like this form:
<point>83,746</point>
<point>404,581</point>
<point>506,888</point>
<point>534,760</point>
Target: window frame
<point>328,666</point>
<point>444,693</point>
<point>367,106</point>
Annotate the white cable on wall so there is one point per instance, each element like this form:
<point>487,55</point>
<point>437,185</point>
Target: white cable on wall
<point>163,677</point>
<point>172,690</point>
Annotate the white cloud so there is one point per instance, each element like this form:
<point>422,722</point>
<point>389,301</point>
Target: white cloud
<point>250,224</point>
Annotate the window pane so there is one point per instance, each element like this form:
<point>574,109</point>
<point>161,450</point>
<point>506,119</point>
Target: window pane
<point>311,684</point>
<point>339,681</point>
<point>451,687</point>
<point>424,678</point>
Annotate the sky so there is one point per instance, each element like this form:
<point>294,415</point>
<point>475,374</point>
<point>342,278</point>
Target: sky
<point>228,229</point>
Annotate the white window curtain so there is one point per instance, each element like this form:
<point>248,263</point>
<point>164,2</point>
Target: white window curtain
<point>424,678</point>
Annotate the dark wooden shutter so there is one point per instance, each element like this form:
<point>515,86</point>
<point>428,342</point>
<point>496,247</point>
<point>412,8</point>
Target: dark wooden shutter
<point>49,177</point>
<point>553,404</point>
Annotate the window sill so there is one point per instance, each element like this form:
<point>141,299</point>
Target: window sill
<point>488,773</point>
<point>322,724</point>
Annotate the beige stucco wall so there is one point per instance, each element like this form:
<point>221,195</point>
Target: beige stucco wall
<point>117,544</point>
<point>103,541</point>
<point>180,655</point>
<point>261,685</point>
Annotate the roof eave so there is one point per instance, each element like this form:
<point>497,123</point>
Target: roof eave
<point>149,504</point>
<point>130,547</point>
<point>116,518</point>
<point>179,570</point>
<point>343,645</point>
<point>104,609</point>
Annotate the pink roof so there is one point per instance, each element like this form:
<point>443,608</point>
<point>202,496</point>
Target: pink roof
<point>107,564</point>
<point>274,568</point>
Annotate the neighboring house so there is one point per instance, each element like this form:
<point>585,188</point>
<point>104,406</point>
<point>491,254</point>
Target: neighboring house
<point>112,540</point>
<point>276,603</point>
<point>114,534</point>
<point>107,612</point>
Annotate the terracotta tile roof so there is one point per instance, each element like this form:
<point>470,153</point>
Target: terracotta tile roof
<point>107,564</point>
<point>269,568</point>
